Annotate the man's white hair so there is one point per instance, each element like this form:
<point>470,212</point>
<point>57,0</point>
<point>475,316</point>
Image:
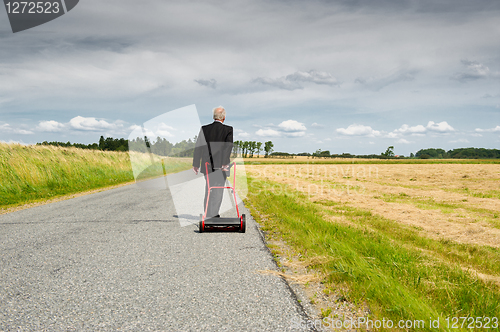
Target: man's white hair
<point>219,113</point>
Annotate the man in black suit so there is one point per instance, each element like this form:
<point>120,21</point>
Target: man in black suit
<point>214,145</point>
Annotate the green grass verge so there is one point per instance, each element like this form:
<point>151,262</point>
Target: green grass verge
<point>483,259</point>
<point>379,262</point>
<point>37,173</point>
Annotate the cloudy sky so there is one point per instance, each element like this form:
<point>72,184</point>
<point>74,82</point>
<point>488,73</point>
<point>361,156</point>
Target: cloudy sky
<point>345,76</point>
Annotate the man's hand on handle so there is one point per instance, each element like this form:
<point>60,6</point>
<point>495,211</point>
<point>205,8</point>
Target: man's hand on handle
<point>224,168</point>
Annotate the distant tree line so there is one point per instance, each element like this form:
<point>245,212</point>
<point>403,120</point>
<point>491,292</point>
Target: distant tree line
<point>432,153</point>
<point>160,147</point>
<point>113,144</point>
<point>247,149</point>
<point>163,147</point>
<point>105,144</point>
<point>388,154</point>
<point>282,155</point>
<point>462,153</point>
<point>93,146</point>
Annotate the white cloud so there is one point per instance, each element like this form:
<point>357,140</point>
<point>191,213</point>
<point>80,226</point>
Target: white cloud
<point>441,127</point>
<point>134,127</point>
<point>292,126</point>
<point>163,133</point>
<point>5,127</point>
<point>164,130</point>
<point>243,135</point>
<point>165,126</point>
<point>491,130</point>
<point>474,71</point>
<point>149,133</point>
<point>15,142</point>
<point>406,129</point>
<point>50,126</point>
<point>92,124</point>
<point>23,132</point>
<point>317,125</point>
<point>358,130</point>
<point>160,129</point>
<point>288,128</point>
<point>420,130</point>
<point>268,133</point>
<point>78,123</point>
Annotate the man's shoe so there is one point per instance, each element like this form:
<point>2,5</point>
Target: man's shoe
<point>217,216</point>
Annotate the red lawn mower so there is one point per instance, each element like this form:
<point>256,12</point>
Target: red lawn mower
<point>223,224</point>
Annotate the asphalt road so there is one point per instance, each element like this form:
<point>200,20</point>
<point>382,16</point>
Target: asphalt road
<point>120,260</point>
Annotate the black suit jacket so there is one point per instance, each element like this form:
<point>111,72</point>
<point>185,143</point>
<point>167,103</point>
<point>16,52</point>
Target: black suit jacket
<point>216,138</point>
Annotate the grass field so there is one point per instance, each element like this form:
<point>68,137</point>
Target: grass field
<point>37,173</point>
<point>412,241</point>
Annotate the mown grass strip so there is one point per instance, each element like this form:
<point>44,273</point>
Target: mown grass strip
<point>396,280</point>
<point>36,173</point>
<point>429,203</point>
<point>464,191</point>
<point>477,193</point>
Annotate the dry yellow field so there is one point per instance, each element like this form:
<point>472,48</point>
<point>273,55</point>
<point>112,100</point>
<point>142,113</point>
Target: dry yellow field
<point>408,240</point>
<point>459,202</point>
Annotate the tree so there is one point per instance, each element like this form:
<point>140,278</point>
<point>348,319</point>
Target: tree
<point>268,148</point>
<point>252,147</point>
<point>244,148</point>
<point>146,141</point>
<point>389,152</point>
<point>259,148</point>
<point>240,148</point>
<point>101,143</point>
<point>236,147</point>
<point>412,155</point>
<point>431,153</point>
<point>161,147</point>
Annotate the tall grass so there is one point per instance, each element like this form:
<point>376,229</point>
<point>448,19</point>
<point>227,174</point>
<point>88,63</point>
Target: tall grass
<point>379,262</point>
<point>34,173</point>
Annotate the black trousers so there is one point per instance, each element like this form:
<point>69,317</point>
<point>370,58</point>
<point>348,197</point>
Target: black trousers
<point>217,179</point>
